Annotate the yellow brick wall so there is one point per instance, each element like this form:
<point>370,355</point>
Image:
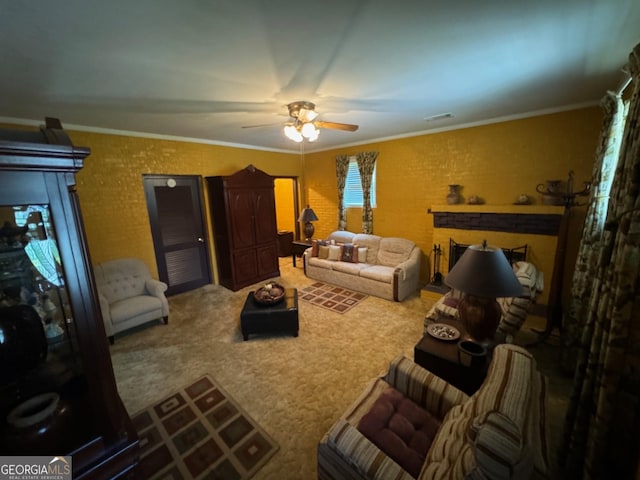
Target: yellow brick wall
<point>111,191</point>
<point>496,162</point>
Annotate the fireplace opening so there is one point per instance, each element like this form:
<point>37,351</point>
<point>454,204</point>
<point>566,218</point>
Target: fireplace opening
<point>517,254</point>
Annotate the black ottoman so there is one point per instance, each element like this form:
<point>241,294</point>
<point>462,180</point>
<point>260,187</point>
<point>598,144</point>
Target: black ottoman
<point>282,317</point>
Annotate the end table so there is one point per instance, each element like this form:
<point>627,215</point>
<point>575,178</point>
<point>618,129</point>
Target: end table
<point>298,247</point>
<point>441,358</point>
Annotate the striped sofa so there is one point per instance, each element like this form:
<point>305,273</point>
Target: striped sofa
<point>514,309</point>
<point>499,432</point>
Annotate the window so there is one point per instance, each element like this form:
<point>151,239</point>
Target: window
<point>353,186</point>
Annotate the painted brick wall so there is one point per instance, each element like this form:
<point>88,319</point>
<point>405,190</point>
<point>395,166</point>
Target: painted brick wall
<point>497,162</point>
<point>111,192</point>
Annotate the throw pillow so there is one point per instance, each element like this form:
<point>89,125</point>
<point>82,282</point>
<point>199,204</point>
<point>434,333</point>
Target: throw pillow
<point>334,252</point>
<point>323,251</point>
<point>349,253</point>
<point>362,254</point>
<point>400,428</point>
<point>448,306</point>
<point>314,246</point>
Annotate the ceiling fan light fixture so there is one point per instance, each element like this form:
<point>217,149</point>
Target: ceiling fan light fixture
<point>303,126</point>
<point>308,130</point>
<point>315,135</point>
<point>292,133</point>
<point>307,115</point>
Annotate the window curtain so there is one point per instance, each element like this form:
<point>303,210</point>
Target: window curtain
<point>601,431</point>
<point>366,164</point>
<point>342,167</point>
<point>604,167</point>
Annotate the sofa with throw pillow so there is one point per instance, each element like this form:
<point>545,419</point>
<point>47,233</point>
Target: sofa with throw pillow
<point>386,267</point>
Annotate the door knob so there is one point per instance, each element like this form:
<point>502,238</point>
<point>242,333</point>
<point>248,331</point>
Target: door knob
<point>201,240</point>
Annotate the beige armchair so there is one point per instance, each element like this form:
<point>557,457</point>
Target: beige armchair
<point>412,424</point>
<point>128,295</point>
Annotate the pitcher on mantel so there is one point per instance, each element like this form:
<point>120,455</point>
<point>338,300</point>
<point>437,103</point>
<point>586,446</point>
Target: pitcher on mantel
<point>454,195</point>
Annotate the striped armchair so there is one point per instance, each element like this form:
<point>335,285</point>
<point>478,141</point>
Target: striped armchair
<point>514,309</point>
<point>499,432</point>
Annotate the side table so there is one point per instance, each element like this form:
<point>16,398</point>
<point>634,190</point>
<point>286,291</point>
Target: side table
<point>441,358</point>
<point>281,317</point>
<point>285,238</point>
<point>298,247</point>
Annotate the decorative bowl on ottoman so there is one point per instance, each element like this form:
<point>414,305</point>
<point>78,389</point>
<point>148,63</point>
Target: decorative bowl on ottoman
<point>270,294</point>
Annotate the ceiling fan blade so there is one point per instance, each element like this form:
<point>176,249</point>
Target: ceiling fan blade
<point>262,125</point>
<point>336,126</point>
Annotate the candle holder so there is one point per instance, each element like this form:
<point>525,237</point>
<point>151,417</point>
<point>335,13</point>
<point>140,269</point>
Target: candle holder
<point>555,308</point>
<point>568,197</point>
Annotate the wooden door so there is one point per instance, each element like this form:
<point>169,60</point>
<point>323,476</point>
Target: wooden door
<point>178,230</point>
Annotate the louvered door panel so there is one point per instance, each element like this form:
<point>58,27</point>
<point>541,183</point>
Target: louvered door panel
<point>183,266</point>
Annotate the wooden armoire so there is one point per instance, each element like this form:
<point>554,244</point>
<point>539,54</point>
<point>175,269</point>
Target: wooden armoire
<point>243,211</point>
<point>58,394</point>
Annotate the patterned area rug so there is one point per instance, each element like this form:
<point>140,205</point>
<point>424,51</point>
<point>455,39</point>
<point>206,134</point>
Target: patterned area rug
<point>200,433</point>
<point>336,299</point>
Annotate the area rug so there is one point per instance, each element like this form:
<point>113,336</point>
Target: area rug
<point>336,299</point>
<point>200,433</point>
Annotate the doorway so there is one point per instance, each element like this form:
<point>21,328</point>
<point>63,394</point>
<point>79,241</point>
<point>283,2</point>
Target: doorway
<point>176,215</point>
<point>287,205</point>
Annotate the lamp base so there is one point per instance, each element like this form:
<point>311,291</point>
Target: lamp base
<point>308,230</point>
<point>480,316</point>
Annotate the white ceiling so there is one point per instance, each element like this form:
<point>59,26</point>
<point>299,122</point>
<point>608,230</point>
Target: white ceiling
<point>203,69</point>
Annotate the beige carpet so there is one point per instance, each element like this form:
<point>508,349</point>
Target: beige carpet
<point>295,388</point>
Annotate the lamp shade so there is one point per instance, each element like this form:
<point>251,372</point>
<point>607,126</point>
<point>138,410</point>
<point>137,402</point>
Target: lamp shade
<point>308,215</point>
<point>484,271</point>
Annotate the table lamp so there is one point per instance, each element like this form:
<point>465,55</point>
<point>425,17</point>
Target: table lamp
<point>306,217</point>
<point>482,274</point>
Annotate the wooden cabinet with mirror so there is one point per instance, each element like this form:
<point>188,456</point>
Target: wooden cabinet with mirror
<point>57,388</point>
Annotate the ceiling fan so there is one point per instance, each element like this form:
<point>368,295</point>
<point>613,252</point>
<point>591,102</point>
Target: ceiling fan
<point>303,124</point>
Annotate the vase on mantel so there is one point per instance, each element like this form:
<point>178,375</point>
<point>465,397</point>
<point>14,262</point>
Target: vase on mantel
<point>453,197</point>
<point>553,195</point>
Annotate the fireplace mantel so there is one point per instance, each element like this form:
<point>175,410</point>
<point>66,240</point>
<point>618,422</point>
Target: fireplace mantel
<point>504,226</point>
<point>526,219</point>
<point>532,209</point>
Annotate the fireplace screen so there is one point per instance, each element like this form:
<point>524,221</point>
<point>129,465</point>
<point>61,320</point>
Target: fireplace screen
<point>517,254</point>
